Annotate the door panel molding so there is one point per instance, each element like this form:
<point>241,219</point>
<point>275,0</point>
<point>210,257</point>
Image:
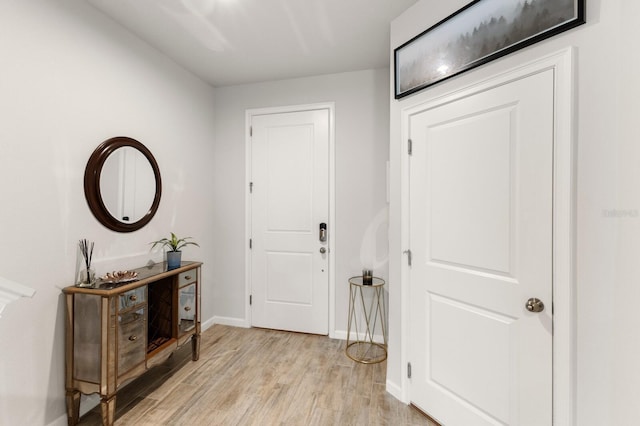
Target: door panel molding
<point>563,221</point>
<point>249,114</point>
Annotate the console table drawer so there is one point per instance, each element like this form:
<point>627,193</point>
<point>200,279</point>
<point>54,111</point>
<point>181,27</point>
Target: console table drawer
<point>133,297</point>
<point>132,316</point>
<point>187,277</point>
<point>131,340</point>
<point>187,309</point>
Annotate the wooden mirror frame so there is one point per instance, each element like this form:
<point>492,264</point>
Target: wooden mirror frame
<point>92,184</point>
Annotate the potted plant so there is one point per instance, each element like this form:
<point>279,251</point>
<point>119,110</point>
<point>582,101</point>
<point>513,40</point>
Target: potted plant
<point>173,245</point>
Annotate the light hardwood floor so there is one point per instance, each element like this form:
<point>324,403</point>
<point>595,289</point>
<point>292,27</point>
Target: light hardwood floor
<point>261,377</point>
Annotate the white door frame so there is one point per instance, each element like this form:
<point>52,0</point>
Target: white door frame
<point>330,106</point>
<point>563,272</point>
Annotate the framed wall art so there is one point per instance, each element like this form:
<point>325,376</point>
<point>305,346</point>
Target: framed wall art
<point>478,33</point>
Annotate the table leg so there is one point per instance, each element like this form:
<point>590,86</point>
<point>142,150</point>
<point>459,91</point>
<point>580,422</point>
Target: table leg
<point>108,410</point>
<point>73,407</point>
<point>195,347</point>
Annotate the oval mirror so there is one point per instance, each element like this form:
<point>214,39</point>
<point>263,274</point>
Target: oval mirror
<point>122,184</point>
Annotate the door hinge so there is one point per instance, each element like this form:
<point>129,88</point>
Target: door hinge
<point>250,187</point>
<point>410,147</point>
<point>250,300</point>
<point>250,243</point>
<point>409,256</point>
<point>408,370</point>
<point>250,130</point>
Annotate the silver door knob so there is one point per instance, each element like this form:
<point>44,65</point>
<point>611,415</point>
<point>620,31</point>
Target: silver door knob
<point>323,250</point>
<point>535,305</point>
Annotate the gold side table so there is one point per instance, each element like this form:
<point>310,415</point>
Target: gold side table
<point>364,349</point>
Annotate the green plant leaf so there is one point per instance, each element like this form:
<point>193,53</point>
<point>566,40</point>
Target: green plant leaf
<point>174,243</point>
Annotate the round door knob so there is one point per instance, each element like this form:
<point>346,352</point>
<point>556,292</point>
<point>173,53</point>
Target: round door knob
<point>323,250</point>
<point>535,305</point>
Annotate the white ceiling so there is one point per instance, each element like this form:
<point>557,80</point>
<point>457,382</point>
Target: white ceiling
<point>228,42</point>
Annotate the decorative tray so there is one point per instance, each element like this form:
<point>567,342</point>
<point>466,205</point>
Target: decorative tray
<point>117,277</point>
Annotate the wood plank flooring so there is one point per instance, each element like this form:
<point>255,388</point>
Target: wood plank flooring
<point>261,377</point>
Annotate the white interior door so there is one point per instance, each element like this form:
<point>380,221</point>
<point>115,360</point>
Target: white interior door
<point>290,201</point>
<point>481,239</point>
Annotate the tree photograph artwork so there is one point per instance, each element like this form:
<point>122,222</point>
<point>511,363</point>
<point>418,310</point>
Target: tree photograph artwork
<point>476,34</point>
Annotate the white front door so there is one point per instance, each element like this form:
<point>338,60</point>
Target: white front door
<point>481,239</point>
<point>289,204</point>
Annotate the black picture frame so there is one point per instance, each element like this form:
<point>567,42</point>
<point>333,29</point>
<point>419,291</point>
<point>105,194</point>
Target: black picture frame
<point>478,33</point>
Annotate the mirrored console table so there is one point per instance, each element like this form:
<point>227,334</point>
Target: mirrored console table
<point>117,331</point>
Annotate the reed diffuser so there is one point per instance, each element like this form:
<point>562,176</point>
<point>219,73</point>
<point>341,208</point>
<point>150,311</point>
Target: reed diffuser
<point>88,276</point>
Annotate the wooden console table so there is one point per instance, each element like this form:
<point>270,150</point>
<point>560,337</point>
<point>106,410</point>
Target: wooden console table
<point>116,332</point>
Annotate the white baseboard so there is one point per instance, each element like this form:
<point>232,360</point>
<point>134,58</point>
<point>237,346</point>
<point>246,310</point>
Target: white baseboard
<point>60,421</point>
<point>342,335</point>
<point>207,324</point>
<point>233,322</point>
<point>87,403</point>
<point>396,391</point>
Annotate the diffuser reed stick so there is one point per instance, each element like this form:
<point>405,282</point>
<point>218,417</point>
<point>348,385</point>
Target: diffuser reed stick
<point>87,253</point>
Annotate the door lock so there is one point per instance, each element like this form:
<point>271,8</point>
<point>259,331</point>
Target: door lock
<point>323,232</point>
<point>534,305</point>
<point>323,250</point>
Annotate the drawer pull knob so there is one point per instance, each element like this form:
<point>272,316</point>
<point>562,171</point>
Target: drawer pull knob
<point>187,277</point>
<point>133,297</point>
<point>187,308</point>
<point>133,338</point>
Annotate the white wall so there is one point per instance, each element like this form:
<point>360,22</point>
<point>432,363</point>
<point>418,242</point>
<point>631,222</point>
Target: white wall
<point>70,79</point>
<point>608,219</point>
<point>361,150</point>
